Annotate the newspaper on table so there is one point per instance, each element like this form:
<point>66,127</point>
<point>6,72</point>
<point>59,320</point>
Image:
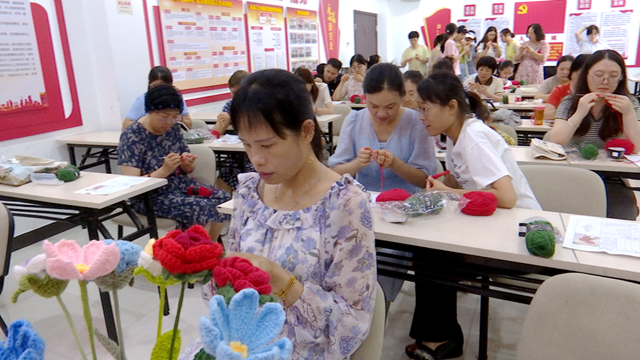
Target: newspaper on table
<point>113,185</point>
<point>618,237</point>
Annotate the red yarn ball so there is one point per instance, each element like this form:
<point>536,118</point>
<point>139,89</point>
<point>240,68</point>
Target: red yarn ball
<point>353,97</point>
<point>628,146</point>
<point>481,203</point>
<point>393,195</point>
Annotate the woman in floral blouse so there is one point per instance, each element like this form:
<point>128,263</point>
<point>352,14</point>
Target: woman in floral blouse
<point>301,222</point>
<point>153,146</point>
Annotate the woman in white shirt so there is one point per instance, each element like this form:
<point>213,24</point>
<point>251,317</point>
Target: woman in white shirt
<point>592,43</point>
<point>479,160</point>
<point>322,104</point>
<point>484,83</point>
<point>489,46</point>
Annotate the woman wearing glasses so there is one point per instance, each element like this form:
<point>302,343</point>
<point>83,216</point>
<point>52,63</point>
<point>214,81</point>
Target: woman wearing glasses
<point>153,146</point>
<point>601,109</point>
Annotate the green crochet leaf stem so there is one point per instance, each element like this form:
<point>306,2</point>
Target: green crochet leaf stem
<point>116,305</point>
<point>155,280</point>
<point>110,345</point>
<point>87,316</point>
<point>175,323</point>
<point>203,355</point>
<point>67,316</point>
<point>163,291</point>
<point>161,348</point>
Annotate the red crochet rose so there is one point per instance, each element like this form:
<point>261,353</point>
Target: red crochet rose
<point>242,275</point>
<point>190,252</point>
<point>195,235</point>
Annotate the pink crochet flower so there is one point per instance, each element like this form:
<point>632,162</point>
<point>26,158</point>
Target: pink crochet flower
<point>67,260</point>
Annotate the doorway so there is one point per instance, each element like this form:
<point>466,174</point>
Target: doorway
<point>365,26</point>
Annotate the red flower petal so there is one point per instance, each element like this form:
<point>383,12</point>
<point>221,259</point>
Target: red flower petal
<point>259,278</point>
<point>198,232</point>
<point>264,289</point>
<point>221,276</point>
<point>242,284</point>
<point>235,274</point>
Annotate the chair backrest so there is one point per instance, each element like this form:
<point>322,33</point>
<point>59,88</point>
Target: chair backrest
<point>439,167</point>
<point>6,241</point>
<point>343,110</point>
<point>585,317</point>
<point>509,130</point>
<point>205,171</point>
<point>567,189</point>
<point>371,348</point>
<point>198,123</point>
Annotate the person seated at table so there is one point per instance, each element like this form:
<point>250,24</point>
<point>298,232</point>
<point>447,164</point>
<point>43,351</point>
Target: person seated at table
<point>479,160</point>
<point>300,221</point>
<point>411,80</point>
<point>563,70</point>
<point>330,74</point>
<point>592,43</point>
<point>224,119</point>
<point>351,84</point>
<point>157,75</point>
<point>601,109</point>
<point>373,59</point>
<point>319,71</point>
<point>385,141</point>
<point>561,91</point>
<point>483,113</point>
<point>319,91</point>
<point>153,146</point>
<point>505,72</point>
<point>484,83</point>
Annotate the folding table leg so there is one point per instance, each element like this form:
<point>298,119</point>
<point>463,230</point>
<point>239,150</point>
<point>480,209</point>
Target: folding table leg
<point>484,324</point>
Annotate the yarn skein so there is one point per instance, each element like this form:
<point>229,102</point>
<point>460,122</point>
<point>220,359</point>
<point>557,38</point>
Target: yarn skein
<point>481,203</point>
<point>541,242</point>
<point>628,146</point>
<point>589,151</point>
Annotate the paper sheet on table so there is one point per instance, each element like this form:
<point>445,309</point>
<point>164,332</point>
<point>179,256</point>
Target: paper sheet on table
<point>229,139</point>
<point>113,186</point>
<point>337,102</point>
<point>634,159</point>
<point>618,237</point>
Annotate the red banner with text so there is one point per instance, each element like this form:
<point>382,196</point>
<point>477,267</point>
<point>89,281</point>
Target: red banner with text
<point>435,24</point>
<point>329,25</point>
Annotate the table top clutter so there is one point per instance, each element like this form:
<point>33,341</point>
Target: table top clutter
<point>65,193</point>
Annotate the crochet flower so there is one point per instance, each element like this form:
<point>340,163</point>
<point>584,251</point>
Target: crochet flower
<point>189,254</point>
<point>241,274</point>
<point>194,236</point>
<point>67,260</point>
<point>147,262</point>
<point>123,274</point>
<point>129,254</point>
<point>242,331</point>
<point>23,343</point>
<point>34,266</point>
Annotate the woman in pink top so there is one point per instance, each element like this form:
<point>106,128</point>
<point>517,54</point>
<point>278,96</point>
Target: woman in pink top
<point>532,55</point>
<point>449,48</point>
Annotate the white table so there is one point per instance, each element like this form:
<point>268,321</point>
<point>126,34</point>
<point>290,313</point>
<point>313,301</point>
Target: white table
<point>100,145</point>
<point>522,154</point>
<point>67,209</point>
<point>527,125</point>
<point>525,106</point>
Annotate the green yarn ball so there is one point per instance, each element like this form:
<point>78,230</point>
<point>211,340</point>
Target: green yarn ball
<point>589,151</point>
<point>541,243</point>
<point>68,173</point>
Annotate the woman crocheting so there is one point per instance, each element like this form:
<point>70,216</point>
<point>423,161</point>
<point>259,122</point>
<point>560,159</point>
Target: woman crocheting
<point>308,227</point>
<point>153,146</point>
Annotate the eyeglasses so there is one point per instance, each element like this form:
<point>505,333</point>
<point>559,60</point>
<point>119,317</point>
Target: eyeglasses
<point>599,78</point>
<point>169,118</point>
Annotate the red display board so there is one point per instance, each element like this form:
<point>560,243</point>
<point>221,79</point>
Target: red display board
<point>54,116</point>
<point>435,24</point>
<point>549,14</point>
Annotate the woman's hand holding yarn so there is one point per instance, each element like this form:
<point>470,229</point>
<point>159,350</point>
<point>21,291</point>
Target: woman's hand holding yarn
<point>586,103</point>
<point>620,103</point>
<point>383,158</point>
<point>171,162</point>
<point>364,156</point>
<point>435,185</point>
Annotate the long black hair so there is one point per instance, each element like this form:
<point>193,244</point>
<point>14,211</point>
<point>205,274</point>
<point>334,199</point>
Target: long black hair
<point>449,30</point>
<point>485,38</point>
<point>257,104</point>
<point>610,125</point>
<point>441,87</point>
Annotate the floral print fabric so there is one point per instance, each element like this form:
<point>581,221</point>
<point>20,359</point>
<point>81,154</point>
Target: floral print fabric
<point>140,149</point>
<point>530,69</point>
<point>329,247</point>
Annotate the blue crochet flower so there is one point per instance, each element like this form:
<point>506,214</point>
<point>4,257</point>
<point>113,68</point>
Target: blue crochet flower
<point>129,254</point>
<point>23,343</point>
<point>242,331</point>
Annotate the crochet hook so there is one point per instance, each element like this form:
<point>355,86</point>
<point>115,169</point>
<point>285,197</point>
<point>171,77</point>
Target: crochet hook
<point>446,172</point>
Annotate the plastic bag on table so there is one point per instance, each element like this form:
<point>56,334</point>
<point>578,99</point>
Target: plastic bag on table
<point>423,203</point>
<point>195,136</point>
